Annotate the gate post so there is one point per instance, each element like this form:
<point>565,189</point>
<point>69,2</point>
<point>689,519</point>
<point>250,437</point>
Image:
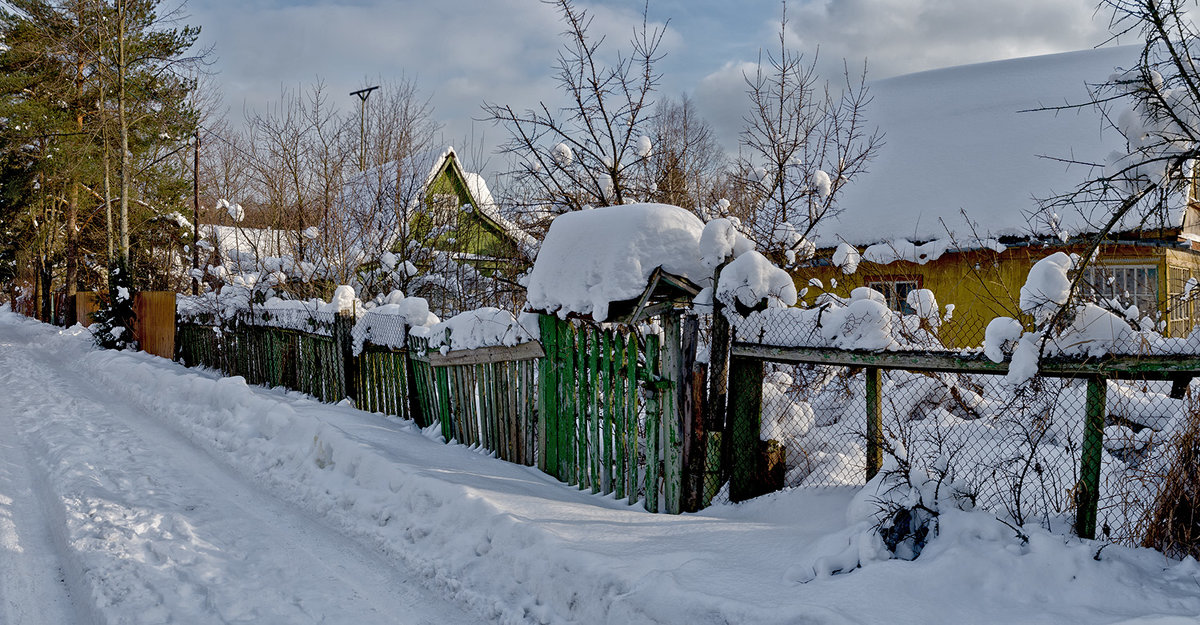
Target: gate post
<point>874,421</point>
<point>1087,496</point>
<point>745,416</point>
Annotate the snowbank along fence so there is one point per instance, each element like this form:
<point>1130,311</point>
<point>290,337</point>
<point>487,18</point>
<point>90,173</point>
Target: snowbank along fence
<point>596,408</point>
<point>1089,441</point>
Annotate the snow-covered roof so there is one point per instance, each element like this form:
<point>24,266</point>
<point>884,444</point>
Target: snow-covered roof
<point>592,258</point>
<point>362,192</point>
<point>256,242</point>
<point>957,141</point>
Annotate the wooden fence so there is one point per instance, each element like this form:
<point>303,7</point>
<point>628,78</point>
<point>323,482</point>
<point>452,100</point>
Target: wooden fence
<point>485,397</point>
<point>592,407</point>
<point>309,362</point>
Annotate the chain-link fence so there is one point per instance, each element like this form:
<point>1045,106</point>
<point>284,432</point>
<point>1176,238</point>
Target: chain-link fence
<point>1076,448</point>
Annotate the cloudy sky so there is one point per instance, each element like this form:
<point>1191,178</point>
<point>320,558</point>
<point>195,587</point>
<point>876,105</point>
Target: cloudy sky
<point>466,52</point>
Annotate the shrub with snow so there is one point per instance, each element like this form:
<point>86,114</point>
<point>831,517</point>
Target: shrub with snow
<point>751,281</point>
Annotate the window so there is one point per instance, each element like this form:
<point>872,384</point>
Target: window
<point>896,292</point>
<point>1179,311</point>
<point>1125,286</point>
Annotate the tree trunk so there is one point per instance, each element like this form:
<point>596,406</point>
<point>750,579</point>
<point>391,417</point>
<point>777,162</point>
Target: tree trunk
<point>123,121</point>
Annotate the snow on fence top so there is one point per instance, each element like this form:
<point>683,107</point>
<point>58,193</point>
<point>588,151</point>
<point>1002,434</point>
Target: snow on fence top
<point>387,324</point>
<point>593,258</point>
<point>482,327</point>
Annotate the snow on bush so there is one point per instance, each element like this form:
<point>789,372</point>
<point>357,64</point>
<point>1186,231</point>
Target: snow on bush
<point>593,258</point>
<point>846,258</point>
<point>862,322</point>
<point>387,324</point>
<point>343,301</point>
<point>752,279</point>
<point>1047,288</point>
<point>1000,337</point>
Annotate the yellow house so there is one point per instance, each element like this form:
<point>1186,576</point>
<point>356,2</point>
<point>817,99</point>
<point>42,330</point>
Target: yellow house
<point>983,284</point>
<point>949,204</point>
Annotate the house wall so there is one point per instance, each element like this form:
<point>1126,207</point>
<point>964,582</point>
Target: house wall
<point>1181,265</point>
<point>983,284</point>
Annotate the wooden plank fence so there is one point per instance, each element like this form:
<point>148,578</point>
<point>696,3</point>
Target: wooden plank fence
<point>302,361</point>
<point>603,408</point>
<point>593,407</point>
<point>485,397</point>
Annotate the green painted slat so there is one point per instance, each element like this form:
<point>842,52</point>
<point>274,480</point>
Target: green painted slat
<point>547,424</point>
<point>632,465</point>
<point>442,394</point>
<point>608,432</point>
<point>1090,459</point>
<point>567,424</point>
<point>488,406</point>
<point>745,396</point>
<point>620,448</point>
<point>874,379</point>
<point>671,424</point>
<point>582,404</point>
<point>502,373</point>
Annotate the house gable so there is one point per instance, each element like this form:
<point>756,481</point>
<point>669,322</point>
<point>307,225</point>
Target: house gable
<point>462,223</point>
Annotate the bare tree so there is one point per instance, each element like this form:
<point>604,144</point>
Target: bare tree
<point>687,163</point>
<point>594,150</point>
<point>1154,105</point>
<point>803,141</point>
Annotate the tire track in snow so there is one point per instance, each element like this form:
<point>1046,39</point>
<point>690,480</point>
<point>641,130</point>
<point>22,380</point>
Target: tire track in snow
<point>164,533</point>
<point>34,589</point>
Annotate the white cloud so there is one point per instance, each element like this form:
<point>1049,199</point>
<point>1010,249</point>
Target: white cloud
<point>902,36</point>
<point>505,51</point>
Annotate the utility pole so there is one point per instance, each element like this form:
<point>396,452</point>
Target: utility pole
<point>363,94</point>
<point>196,213</point>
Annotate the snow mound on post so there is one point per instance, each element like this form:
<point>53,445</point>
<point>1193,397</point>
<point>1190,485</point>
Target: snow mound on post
<point>595,257</point>
<point>720,241</point>
<point>751,278</point>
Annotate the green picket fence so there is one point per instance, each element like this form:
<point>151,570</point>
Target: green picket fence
<point>306,362</point>
<point>586,405</point>
<point>383,383</point>
<point>601,429</point>
<point>490,400</point>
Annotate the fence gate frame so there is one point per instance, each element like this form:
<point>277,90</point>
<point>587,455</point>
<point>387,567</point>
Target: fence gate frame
<point>746,372</point>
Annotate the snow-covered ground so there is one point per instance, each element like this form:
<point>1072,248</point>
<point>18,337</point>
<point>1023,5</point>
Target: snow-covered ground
<point>133,490</point>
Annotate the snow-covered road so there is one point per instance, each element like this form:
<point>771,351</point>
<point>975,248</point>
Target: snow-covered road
<point>109,516</point>
<point>133,490</point>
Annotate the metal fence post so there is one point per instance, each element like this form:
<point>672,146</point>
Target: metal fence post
<point>874,378</point>
<point>745,415</point>
<point>1088,491</point>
